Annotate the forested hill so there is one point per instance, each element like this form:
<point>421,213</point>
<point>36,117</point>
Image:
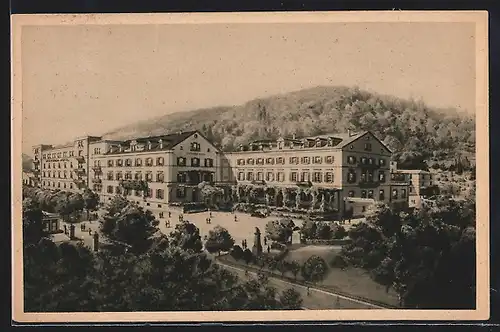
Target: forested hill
<point>27,162</point>
<point>408,127</point>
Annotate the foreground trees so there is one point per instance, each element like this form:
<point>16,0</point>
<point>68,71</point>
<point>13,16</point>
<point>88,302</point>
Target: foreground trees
<point>428,257</point>
<point>158,273</point>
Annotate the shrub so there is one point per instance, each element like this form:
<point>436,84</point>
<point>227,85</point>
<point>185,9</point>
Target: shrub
<point>339,262</point>
<point>237,252</point>
<point>248,256</point>
<point>339,232</point>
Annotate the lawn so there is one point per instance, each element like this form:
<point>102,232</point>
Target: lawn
<point>350,281</point>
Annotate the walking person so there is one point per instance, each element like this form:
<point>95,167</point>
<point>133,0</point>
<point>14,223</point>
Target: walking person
<point>268,249</point>
<point>90,231</point>
<point>169,214</point>
<point>235,219</point>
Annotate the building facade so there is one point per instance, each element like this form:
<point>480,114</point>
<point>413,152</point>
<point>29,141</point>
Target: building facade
<point>343,173</point>
<point>421,184</point>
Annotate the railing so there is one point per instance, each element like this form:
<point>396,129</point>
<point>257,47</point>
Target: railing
<point>97,169</point>
<point>80,159</point>
<point>80,171</point>
<point>96,180</point>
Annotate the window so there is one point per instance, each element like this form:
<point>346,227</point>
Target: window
<point>149,192</point>
<point>160,177</point>
<point>317,160</point>
<point>159,161</point>
<point>381,162</point>
<point>371,161</point>
<point>180,193</point>
<point>351,193</point>
<point>80,153</point>
<point>70,175</point>
<point>411,189</point>
<point>403,193</point>
<point>351,176</point>
<point>294,177</point>
<point>138,176</point>
<point>304,177</point>
<point>305,160</point>
<point>181,177</point>
<point>110,163</point>
<point>195,162</point>
<point>65,174</point>
<point>317,177</point>
<point>351,160</point>
<point>118,190</point>
<point>128,176</point>
<point>137,193</point>
<point>195,146</point>
<point>126,192</point>
<point>250,161</point>
<point>395,194</point>
<point>59,155</point>
<point>370,176</point>
<point>368,146</point>
<point>381,195</point>
<point>72,153</point>
<point>149,176</point>
<point>240,162</point>
<point>241,176</point>
<point>138,162</point>
<point>209,162</point>
<point>260,161</point>
<point>149,161</point>
<point>280,160</point>
<point>44,155</point>
<point>80,144</point>
<point>249,176</point>
<point>65,154</point>
<point>364,160</point>
<point>181,161</point>
<point>208,150</point>
<point>128,162</point>
<point>260,176</point>
<point>119,175</point>
<point>270,176</point>
<point>363,208</point>
<point>59,174</point>
<point>159,193</point>
<point>109,189</point>
<point>270,161</point>
<point>370,193</point>
<point>363,193</point>
<point>71,186</point>
<point>58,165</point>
<point>281,177</point>
<point>381,177</point>
<point>329,177</point>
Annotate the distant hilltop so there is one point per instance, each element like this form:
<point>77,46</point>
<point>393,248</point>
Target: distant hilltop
<point>408,127</point>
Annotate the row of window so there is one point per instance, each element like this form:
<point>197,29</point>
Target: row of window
<point>64,185</point>
<point>61,174</point>
<point>326,177</point>
<point>307,160</point>
<point>366,176</point>
<point>60,165</point>
<point>65,154</point>
<point>182,177</point>
<point>160,161</point>
<point>370,194</point>
<point>366,161</point>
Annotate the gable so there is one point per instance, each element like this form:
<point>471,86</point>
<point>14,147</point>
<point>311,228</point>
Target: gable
<point>366,142</point>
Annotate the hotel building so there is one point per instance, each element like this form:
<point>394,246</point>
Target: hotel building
<point>63,167</point>
<point>346,172</point>
<point>153,171</point>
<point>356,166</point>
<point>421,184</point>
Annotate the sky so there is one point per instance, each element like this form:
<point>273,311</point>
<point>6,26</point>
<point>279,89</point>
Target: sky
<point>87,80</point>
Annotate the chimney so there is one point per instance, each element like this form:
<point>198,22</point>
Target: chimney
<point>120,148</point>
<point>349,132</point>
<point>293,136</point>
<point>149,145</point>
<point>161,143</point>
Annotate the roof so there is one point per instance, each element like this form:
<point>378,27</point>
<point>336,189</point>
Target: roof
<point>169,141</point>
<point>412,171</point>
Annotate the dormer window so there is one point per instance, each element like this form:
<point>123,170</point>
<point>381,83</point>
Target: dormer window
<point>160,142</point>
<point>150,145</point>
<point>318,143</point>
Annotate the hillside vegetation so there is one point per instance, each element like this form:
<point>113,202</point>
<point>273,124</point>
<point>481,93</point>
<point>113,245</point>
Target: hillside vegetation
<point>414,131</point>
<point>27,162</point>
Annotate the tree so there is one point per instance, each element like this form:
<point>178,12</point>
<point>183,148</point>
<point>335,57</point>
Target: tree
<point>32,222</point>
<point>248,256</point>
<point>282,267</point>
<point>323,232</point>
<point>219,240</point>
<point>186,236</point>
<point>291,300</point>
<point>339,232</point>
<point>210,192</point>
<point>237,252</point>
<point>308,229</point>
<point>314,269</point>
<point>276,231</point>
<point>294,268</point>
<point>132,226</point>
<point>90,200</point>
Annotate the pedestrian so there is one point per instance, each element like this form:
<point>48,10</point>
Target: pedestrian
<point>209,220</point>
<point>169,214</point>
<point>246,246</point>
<point>90,231</point>
<point>168,223</point>
<point>308,293</point>
<point>83,225</point>
<point>206,220</point>
<point>243,244</point>
<point>235,219</point>
<point>210,214</point>
<point>268,249</point>
<point>265,241</point>
<point>337,303</point>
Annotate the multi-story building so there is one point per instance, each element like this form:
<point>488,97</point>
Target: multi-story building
<point>421,184</point>
<point>63,167</point>
<point>354,165</point>
<point>344,173</point>
<point>153,171</point>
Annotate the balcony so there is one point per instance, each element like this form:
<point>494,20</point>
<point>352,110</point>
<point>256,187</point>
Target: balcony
<point>369,184</point>
<point>370,166</point>
<point>80,159</point>
<point>96,180</point>
<point>97,169</point>
<point>304,183</point>
<point>80,171</point>
<point>134,184</point>
<point>259,182</point>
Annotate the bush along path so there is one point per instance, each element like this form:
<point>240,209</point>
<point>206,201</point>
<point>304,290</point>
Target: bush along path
<point>357,301</point>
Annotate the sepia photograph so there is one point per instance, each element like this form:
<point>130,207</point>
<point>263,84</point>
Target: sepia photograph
<point>250,167</point>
